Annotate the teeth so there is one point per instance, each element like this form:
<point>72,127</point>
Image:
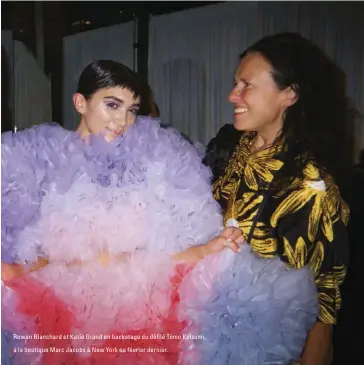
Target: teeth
<point>240,110</point>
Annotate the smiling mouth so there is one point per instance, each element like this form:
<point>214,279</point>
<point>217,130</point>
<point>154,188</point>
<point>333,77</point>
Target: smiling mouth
<point>116,133</point>
<point>240,110</point>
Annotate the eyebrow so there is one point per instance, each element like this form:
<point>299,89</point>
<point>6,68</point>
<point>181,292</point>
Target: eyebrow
<point>241,79</point>
<point>119,100</point>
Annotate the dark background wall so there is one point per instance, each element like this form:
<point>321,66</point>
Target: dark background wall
<point>63,18</point>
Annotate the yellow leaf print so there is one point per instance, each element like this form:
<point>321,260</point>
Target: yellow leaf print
<point>259,241</point>
<point>296,257</point>
<point>329,293</point>
<point>327,227</point>
<point>326,205</point>
<point>324,298</point>
<point>340,273</point>
<point>314,220</point>
<point>240,193</point>
<point>345,213</point>
<point>250,178</point>
<point>216,188</point>
<point>228,189</point>
<point>326,307</point>
<point>266,247</point>
<point>273,164</point>
<point>244,211</point>
<point>246,204</point>
<point>294,202</point>
<point>262,168</point>
<point>301,253</point>
<point>327,281</point>
<point>317,258</point>
<point>260,230</point>
<point>336,208</point>
<point>311,172</point>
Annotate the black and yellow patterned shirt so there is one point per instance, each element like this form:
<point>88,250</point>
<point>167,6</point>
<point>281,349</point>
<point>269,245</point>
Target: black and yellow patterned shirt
<point>303,225</point>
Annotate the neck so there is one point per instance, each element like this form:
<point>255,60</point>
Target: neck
<point>82,129</point>
<point>262,140</point>
<point>266,138</point>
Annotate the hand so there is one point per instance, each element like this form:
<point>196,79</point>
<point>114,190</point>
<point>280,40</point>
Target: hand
<point>105,258</point>
<point>230,237</point>
<point>39,264</point>
<point>11,271</point>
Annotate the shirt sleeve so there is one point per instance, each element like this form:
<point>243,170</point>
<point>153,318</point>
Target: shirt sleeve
<point>313,232</point>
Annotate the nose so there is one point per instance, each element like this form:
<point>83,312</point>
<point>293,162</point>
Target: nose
<point>122,118</point>
<point>234,96</point>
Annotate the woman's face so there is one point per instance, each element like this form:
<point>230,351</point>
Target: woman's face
<point>110,111</point>
<point>259,103</point>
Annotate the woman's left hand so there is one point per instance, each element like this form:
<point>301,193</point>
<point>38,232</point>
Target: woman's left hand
<point>231,238</point>
<point>105,258</point>
<point>11,271</point>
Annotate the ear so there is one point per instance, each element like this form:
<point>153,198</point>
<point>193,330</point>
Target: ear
<point>80,103</point>
<point>290,95</point>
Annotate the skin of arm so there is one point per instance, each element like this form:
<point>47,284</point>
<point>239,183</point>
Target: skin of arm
<point>231,237</point>
<point>318,349</point>
<point>10,271</point>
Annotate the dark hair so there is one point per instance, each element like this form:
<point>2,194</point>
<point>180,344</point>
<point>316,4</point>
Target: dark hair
<point>155,110</point>
<point>103,74</point>
<point>220,149</point>
<point>314,127</point>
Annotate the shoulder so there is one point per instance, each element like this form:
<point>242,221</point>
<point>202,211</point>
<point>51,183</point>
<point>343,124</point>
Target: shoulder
<point>333,201</point>
<point>319,180</point>
<point>228,131</point>
<point>316,195</point>
<point>226,139</point>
